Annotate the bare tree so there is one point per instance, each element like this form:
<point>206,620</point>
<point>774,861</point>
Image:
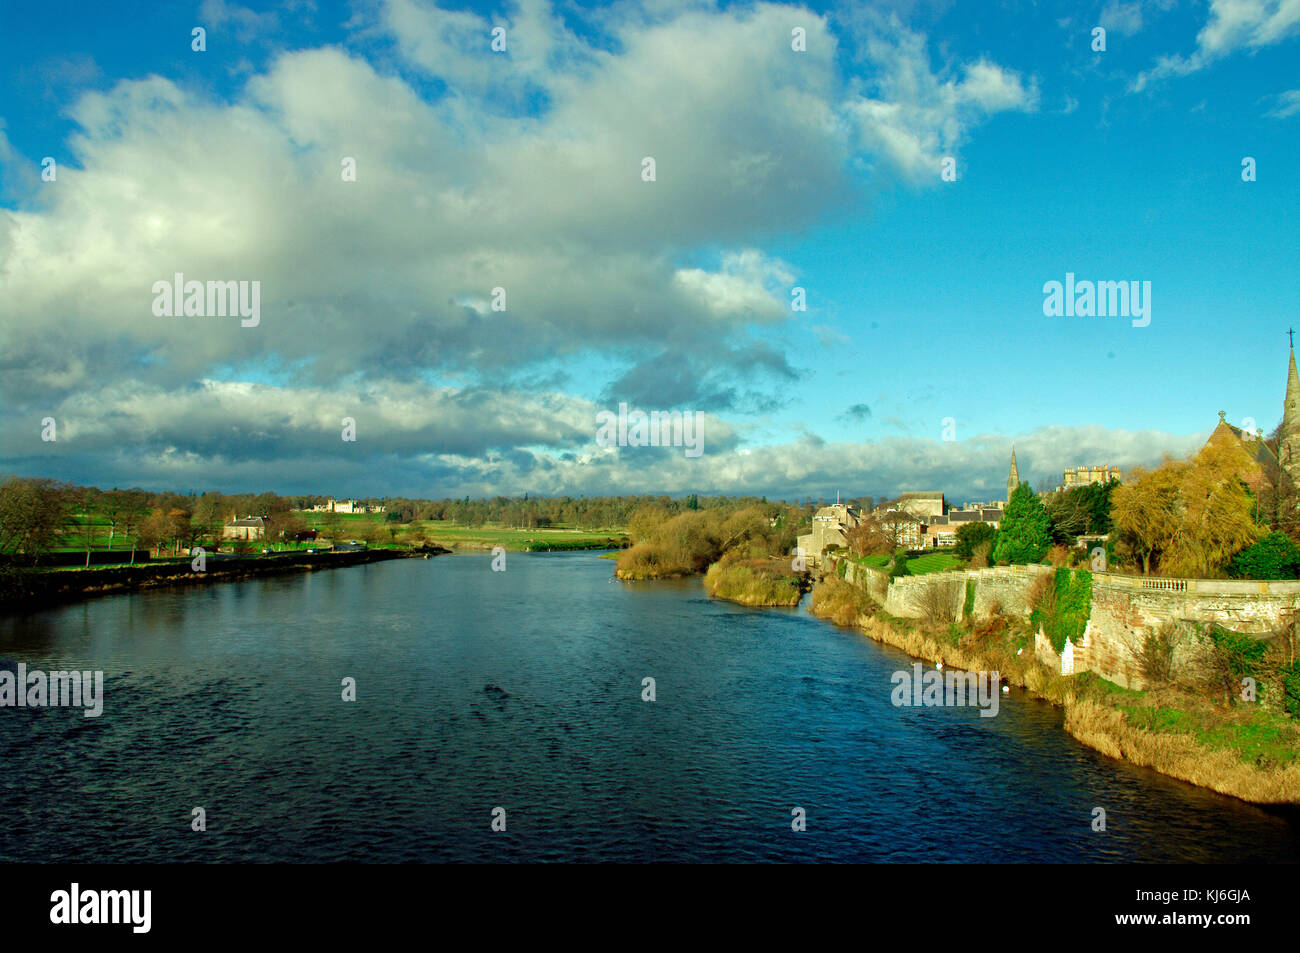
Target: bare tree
<point>886,529</point>
<point>935,600</point>
<point>1155,651</point>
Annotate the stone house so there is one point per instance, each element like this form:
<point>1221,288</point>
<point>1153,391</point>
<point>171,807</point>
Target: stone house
<point>250,527</point>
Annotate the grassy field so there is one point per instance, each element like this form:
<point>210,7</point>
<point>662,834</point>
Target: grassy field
<point>98,528</point>
<point>373,527</point>
<point>519,540</point>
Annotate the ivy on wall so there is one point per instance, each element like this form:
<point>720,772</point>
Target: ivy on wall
<point>1066,615</point>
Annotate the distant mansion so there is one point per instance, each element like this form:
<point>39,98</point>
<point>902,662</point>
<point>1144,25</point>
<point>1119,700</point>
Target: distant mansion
<point>345,506</point>
<point>1082,476</point>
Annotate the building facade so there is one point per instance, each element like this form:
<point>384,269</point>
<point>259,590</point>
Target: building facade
<point>1082,476</point>
<point>250,527</point>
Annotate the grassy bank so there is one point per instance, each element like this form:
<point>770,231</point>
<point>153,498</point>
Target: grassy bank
<point>1245,750</point>
<point>755,582</point>
<point>549,539</point>
<point>21,588</point>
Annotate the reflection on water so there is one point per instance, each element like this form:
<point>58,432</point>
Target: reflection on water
<point>523,689</point>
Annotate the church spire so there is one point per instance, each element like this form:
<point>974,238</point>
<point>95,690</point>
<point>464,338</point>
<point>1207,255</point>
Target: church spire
<point>1013,478</point>
<point>1288,449</point>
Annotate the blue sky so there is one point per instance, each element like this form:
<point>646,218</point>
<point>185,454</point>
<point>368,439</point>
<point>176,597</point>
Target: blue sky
<point>776,169</point>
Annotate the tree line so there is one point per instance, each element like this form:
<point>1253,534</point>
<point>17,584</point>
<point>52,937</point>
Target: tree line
<point>39,515</point>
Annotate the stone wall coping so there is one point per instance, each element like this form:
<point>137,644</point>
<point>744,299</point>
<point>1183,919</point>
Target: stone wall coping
<point>1222,587</point>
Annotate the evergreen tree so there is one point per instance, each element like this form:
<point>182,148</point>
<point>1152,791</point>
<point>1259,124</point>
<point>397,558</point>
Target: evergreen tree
<point>1025,531</point>
<point>970,535</point>
<point>1273,557</point>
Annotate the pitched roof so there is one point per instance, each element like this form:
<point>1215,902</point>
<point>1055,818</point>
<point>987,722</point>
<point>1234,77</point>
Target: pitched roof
<point>1257,447</point>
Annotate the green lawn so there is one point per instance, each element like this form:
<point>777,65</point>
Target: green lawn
<point>919,565</point>
<point>933,562</point>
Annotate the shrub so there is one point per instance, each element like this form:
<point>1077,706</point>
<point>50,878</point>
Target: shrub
<point>1233,656</point>
<point>972,535</point>
<point>899,567</point>
<point>840,602</point>
<point>1041,598</point>
<point>968,608</point>
<point>1290,675</point>
<point>1273,557</point>
<point>689,542</point>
<point>980,555</point>
<point>1057,555</point>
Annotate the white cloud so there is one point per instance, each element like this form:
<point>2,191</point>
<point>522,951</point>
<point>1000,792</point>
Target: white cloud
<point>914,116</point>
<point>1286,104</point>
<point>371,288</point>
<point>1233,25</point>
<point>1122,18</point>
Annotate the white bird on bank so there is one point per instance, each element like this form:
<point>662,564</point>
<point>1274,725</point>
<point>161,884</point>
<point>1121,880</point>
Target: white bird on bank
<point>939,666</point>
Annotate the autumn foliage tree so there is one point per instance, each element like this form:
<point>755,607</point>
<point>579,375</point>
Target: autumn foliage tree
<point>1187,518</point>
<point>1146,511</point>
<point>1218,515</point>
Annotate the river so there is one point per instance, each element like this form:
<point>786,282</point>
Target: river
<point>522,690</point>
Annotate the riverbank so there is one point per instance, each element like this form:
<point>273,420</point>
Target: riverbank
<point>29,588</point>
<point>1097,713</point>
<point>510,543</point>
<point>759,583</point>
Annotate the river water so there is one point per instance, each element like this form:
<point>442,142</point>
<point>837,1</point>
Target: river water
<point>522,690</point>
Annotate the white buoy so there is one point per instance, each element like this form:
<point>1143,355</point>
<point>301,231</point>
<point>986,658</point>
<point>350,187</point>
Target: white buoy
<point>939,666</point>
<point>1006,689</point>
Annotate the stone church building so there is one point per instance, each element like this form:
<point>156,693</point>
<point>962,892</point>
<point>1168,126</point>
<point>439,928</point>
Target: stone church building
<point>1264,460</point>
